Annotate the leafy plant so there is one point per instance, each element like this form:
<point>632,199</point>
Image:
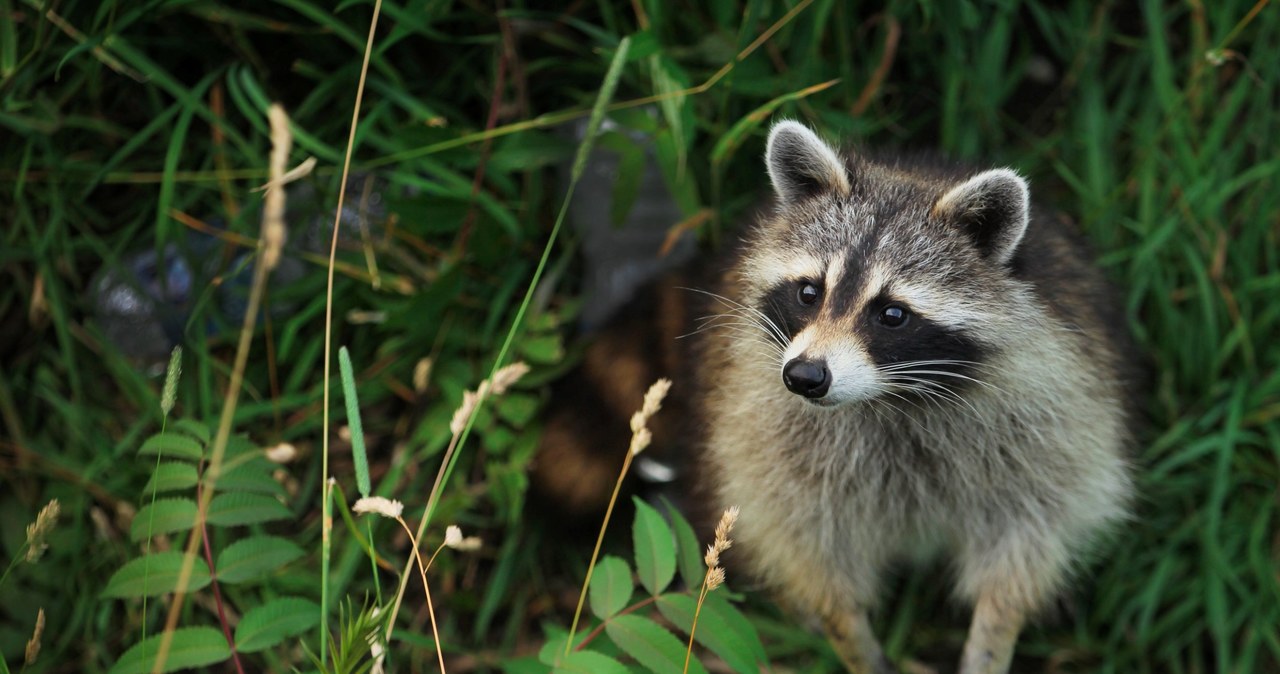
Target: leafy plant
<point>248,496</point>
<point>355,649</point>
<point>638,623</point>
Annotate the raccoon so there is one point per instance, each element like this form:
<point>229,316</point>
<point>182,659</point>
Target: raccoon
<point>911,358</point>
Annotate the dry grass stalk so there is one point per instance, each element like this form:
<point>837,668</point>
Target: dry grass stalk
<point>714,576</point>
<point>640,438</point>
<point>273,208</point>
<point>273,229</point>
<point>393,510</point>
<point>328,336</point>
<point>503,379</point>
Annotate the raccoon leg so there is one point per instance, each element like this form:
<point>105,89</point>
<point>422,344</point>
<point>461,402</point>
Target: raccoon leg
<point>992,636</point>
<point>850,633</point>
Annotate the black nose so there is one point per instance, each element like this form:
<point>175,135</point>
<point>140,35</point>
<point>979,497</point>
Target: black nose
<point>809,378</point>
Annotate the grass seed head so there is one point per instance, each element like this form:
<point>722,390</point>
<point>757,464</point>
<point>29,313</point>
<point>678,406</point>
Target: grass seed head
<point>722,541</point>
<point>33,646</point>
<point>379,505</point>
<point>504,378</point>
<point>641,436</point>
<point>169,394</point>
<point>422,375</point>
<point>460,415</point>
<point>715,578</point>
<point>39,530</point>
<point>282,453</point>
<point>453,539</point>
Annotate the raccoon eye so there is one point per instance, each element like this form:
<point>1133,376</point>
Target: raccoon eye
<point>807,294</point>
<point>893,316</point>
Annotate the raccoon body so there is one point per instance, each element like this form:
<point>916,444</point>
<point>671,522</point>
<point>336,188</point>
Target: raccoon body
<point>910,358</point>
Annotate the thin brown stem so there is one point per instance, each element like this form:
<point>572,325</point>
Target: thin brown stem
<point>431,612</point>
<point>495,102</point>
<point>232,397</point>
<point>582,596</point>
<point>595,632</point>
<point>697,611</point>
<point>217,597</point>
<point>422,526</point>
<point>328,325</point>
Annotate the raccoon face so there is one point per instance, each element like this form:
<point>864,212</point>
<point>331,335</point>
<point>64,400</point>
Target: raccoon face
<point>883,282</point>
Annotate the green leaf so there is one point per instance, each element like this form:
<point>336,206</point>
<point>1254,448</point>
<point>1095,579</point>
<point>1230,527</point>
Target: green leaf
<point>271,623</point>
<point>241,444</point>
<point>254,557</point>
<point>195,429</point>
<point>228,510</point>
<point>721,628</point>
<point>172,476</point>
<point>191,647</point>
<point>154,574</point>
<point>611,586</point>
<point>173,446</point>
<point>729,142</point>
<point>650,644</point>
<point>589,662</point>
<point>668,153</point>
<point>516,408</point>
<point>528,150</point>
<point>253,476</point>
<point>688,550</point>
<point>630,172</point>
<point>358,455</point>
<point>655,548</point>
<point>526,665</point>
<point>541,349</point>
<point>165,516</point>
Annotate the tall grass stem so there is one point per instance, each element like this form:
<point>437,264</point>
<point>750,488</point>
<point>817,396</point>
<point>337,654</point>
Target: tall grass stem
<point>327,515</point>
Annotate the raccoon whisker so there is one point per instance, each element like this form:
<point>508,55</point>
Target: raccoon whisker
<point>738,319</point>
<point>902,413</point>
<point>932,390</point>
<point>743,330</point>
<point>735,305</point>
<point>919,363</point>
<point>944,373</point>
<point>752,321</point>
<point>988,368</point>
<point>942,395</point>
<point>780,332</point>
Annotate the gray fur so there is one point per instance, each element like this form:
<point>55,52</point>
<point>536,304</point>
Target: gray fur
<point>1010,476</point>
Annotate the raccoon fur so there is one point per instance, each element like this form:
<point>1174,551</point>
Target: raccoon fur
<point>913,358</point>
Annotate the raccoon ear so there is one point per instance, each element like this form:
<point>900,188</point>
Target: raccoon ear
<point>993,207</point>
<point>801,165</point>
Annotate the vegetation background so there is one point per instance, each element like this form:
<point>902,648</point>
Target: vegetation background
<point>132,134</point>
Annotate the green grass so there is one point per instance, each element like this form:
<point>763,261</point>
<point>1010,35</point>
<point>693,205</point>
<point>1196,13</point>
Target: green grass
<point>1153,124</point>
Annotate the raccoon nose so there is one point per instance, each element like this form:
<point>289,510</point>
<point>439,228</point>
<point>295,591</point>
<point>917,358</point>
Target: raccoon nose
<point>808,378</point>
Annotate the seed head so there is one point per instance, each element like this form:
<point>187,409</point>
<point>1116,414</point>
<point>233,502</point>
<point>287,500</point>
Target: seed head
<point>33,646</point>
<point>379,505</point>
<point>640,434</point>
<point>38,530</point>
<point>460,415</point>
<point>453,539</point>
<point>169,394</point>
<point>722,541</point>
<point>504,378</point>
<point>715,578</point>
